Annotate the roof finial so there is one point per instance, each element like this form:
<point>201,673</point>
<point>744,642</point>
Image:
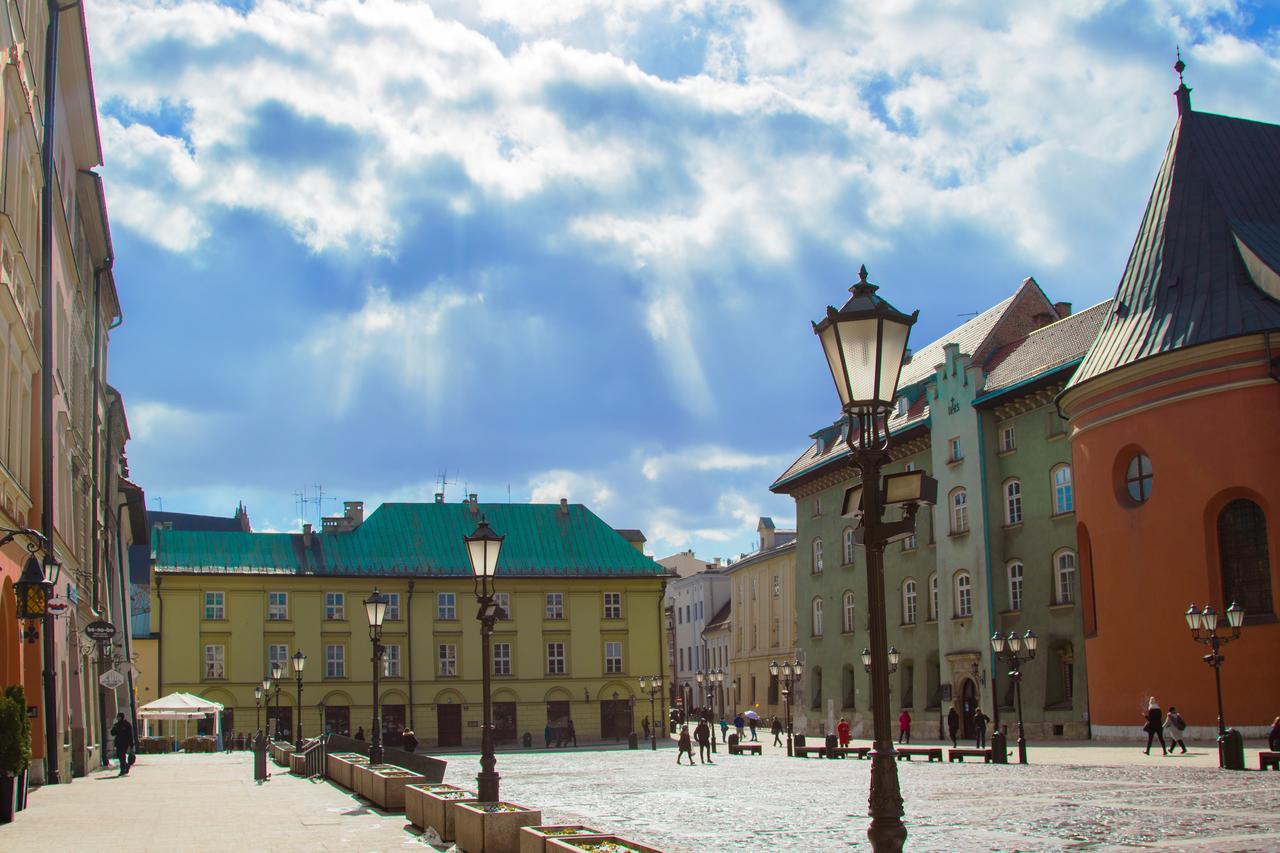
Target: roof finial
<point>862,280</point>
<point>1183,92</point>
<point>1180,66</point>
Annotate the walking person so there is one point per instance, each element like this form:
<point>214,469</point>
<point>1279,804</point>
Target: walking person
<point>122,736</point>
<point>738,724</point>
<point>684,745</point>
<point>645,723</point>
<point>953,725</point>
<point>777,731</point>
<point>904,727</point>
<point>409,741</point>
<point>980,727</point>
<point>843,732</point>
<point>724,729</point>
<point>546,734</point>
<point>571,734</point>
<point>1174,726</point>
<point>752,722</point>
<point>1154,726</point>
<point>703,735</point>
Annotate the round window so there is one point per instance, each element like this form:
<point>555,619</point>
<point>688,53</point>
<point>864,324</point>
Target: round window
<point>1137,478</point>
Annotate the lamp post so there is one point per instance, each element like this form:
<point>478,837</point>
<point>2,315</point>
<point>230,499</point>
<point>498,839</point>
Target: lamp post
<point>1017,651</point>
<point>864,343</point>
<point>787,675</point>
<point>483,547</point>
<point>299,663</point>
<point>705,680</point>
<point>1204,629</point>
<point>894,658</point>
<point>652,684</point>
<point>375,607</point>
<point>33,590</point>
<point>716,678</point>
<point>277,671</point>
<point>257,707</point>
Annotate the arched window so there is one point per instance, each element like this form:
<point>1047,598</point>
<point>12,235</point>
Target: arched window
<point>847,613</point>
<point>959,511</point>
<point>817,617</point>
<point>933,597</point>
<point>1246,563</point>
<point>1012,502</point>
<point>817,556</point>
<point>909,601</point>
<point>1063,499</point>
<point>1137,478</point>
<point>1015,585</point>
<point>964,594</point>
<point>848,546</point>
<point>1064,577</point>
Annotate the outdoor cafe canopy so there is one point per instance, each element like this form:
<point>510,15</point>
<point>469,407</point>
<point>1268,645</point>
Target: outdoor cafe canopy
<point>181,706</point>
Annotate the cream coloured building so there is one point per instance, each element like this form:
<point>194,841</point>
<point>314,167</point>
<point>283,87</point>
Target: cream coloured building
<point>763,619</point>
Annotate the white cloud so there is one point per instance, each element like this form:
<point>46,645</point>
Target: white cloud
<point>709,458</point>
<point>551,486</point>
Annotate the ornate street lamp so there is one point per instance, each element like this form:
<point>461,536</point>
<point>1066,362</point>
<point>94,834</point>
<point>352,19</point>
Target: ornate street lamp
<point>375,607</point>
<point>865,342</point>
<point>652,684</point>
<point>717,700</point>
<point>483,547</point>
<point>705,681</point>
<point>787,675</point>
<point>894,658</point>
<point>1017,651</point>
<point>277,672</point>
<point>299,663</point>
<point>33,592</point>
<point>1204,629</point>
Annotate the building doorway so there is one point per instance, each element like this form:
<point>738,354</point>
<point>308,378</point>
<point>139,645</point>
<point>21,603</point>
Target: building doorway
<point>280,722</point>
<point>968,705</point>
<point>449,725</point>
<point>615,718</point>
<point>392,724</point>
<point>504,722</point>
<point>337,719</point>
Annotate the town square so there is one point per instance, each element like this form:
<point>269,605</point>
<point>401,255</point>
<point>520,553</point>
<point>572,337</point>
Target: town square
<point>665,425</point>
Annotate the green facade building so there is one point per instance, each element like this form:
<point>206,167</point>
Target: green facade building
<point>998,552</point>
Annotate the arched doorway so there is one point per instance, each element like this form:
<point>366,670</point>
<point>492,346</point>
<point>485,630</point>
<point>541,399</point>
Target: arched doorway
<point>968,704</point>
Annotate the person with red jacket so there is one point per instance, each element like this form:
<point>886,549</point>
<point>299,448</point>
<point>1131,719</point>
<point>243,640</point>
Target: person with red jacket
<point>904,727</point>
<point>843,731</point>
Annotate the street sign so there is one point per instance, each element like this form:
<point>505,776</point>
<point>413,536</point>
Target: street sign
<point>111,679</point>
<point>100,630</point>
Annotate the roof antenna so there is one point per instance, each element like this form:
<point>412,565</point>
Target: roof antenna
<point>1183,92</point>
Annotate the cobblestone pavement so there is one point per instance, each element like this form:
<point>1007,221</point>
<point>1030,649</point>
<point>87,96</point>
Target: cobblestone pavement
<point>1120,800</point>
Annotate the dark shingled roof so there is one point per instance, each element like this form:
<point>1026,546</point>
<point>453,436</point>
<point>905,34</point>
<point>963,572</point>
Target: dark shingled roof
<point>189,521</point>
<point>1053,346</point>
<point>720,620</point>
<point>1186,282</point>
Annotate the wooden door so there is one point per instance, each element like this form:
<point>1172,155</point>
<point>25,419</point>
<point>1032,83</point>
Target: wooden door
<point>449,725</point>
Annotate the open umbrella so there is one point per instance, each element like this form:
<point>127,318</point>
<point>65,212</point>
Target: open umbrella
<point>751,715</point>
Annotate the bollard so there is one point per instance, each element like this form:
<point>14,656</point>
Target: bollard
<point>632,741</point>
<point>999,748</point>
<point>527,740</point>
<point>1231,750</point>
<point>832,743</point>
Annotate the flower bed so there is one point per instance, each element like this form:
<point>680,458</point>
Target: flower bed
<point>533,839</point>
<point>607,844</point>
<point>492,827</point>
<point>437,809</point>
<point>386,787</point>
<point>415,800</point>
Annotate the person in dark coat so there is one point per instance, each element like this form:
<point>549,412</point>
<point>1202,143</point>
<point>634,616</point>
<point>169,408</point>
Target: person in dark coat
<point>571,734</point>
<point>980,728</point>
<point>953,725</point>
<point>702,734</point>
<point>1155,722</point>
<point>546,734</point>
<point>360,733</point>
<point>777,732</point>
<point>685,745</point>
<point>1273,737</point>
<point>645,723</point>
<point>409,740</point>
<point>122,737</point>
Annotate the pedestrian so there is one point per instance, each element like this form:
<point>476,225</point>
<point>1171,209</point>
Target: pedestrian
<point>776,728</point>
<point>410,741</point>
<point>702,734</point>
<point>1174,726</point>
<point>738,724</point>
<point>122,736</point>
<point>360,733</point>
<point>904,727</point>
<point>546,733</point>
<point>571,734</point>
<point>752,722</point>
<point>843,732</point>
<point>645,723</point>
<point>1273,737</point>
<point>1155,723</point>
<point>953,725</point>
<point>684,745</point>
<point>980,728</point>
<point>724,729</point>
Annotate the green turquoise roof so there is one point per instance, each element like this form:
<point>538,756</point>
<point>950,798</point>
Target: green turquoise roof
<point>418,540</point>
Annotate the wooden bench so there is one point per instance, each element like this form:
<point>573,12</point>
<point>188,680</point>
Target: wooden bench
<point>933,753</point>
<point>855,751</point>
<point>1269,759</point>
<point>806,751</point>
<point>745,749</point>
<point>962,753</point>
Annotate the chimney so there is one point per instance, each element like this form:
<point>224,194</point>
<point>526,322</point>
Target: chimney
<point>564,507</point>
<point>472,500</point>
<point>717,562</point>
<point>439,497</point>
<point>353,511</point>
<point>1063,309</point>
<point>1043,319</point>
<point>766,535</point>
<point>306,535</point>
<point>906,356</point>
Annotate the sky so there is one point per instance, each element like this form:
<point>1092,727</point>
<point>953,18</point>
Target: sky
<point>573,249</point>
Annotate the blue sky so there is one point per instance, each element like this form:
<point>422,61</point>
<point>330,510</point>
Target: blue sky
<point>573,248</point>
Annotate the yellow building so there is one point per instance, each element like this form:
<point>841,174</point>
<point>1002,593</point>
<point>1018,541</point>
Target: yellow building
<point>584,621</point>
<point>764,619</point>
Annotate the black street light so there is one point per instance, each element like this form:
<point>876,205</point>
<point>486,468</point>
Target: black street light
<point>894,658</point>
<point>277,671</point>
<point>706,680</point>
<point>1017,651</point>
<point>787,674</point>
<point>257,707</point>
<point>652,684</point>
<point>483,547</point>
<point>864,343</point>
<point>1204,629</point>
<point>375,607</point>
<point>299,663</point>
<point>716,677</point>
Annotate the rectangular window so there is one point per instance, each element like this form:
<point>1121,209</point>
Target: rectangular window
<point>446,605</point>
<point>335,605</point>
<point>335,661</point>
<point>393,607</point>
<point>954,452</point>
<point>817,506</point>
<point>215,662</point>
<point>1008,441</point>
<point>555,605</point>
<point>278,653</point>
<point>613,658</point>
<point>501,658</point>
<point>1069,678</point>
<point>448,657</point>
<point>613,605</point>
<point>277,606</point>
<point>503,600</point>
<point>555,658</point>
<point>214,606</point>
<point>391,660</point>
<point>681,658</point>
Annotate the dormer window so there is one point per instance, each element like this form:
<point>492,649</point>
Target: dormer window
<point>902,407</point>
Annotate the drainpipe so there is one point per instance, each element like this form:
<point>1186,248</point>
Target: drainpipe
<point>991,596</point>
<point>409,643</point>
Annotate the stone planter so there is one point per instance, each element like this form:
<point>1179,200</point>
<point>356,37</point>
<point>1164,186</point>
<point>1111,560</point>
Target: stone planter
<point>386,788</point>
<point>362,778</point>
<point>415,801</point>
<point>533,839</point>
<point>437,810</point>
<point>611,844</point>
<point>341,768</point>
<point>492,827</point>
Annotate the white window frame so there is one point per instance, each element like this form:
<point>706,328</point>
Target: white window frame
<point>963,588</point>
<point>503,600</point>
<point>335,660</point>
<point>817,556</point>
<point>278,653</point>
<point>1008,439</point>
<point>555,607</point>
<point>446,606</point>
<point>277,611</point>
<point>816,615</point>
<point>933,597</point>
<point>215,605</point>
<point>1064,500</point>
<point>1012,502</point>
<point>393,607</point>
<point>955,451</point>
<point>447,660</point>
<point>909,601</point>
<point>848,609</point>
<point>391,660</point>
<point>1064,577</point>
<point>613,605</point>
<point>556,664</point>
<point>848,546</point>
<point>613,658</point>
<point>501,658</point>
<point>215,662</point>
<point>335,606</point>
<point>1016,574</point>
<point>958,501</point>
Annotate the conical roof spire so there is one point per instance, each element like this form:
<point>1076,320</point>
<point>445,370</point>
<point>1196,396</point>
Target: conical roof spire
<point>1183,92</point>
